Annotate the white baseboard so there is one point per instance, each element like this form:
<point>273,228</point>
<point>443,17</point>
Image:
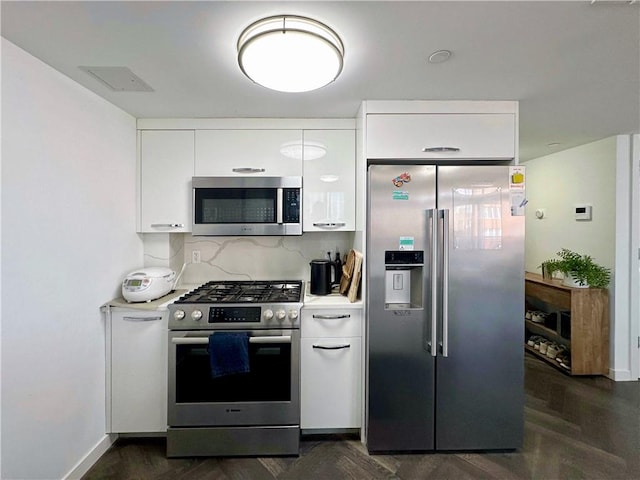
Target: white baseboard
<point>91,458</point>
<point>621,375</point>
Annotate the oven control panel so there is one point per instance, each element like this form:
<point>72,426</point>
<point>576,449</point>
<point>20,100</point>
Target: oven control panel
<point>193,316</point>
<point>235,314</point>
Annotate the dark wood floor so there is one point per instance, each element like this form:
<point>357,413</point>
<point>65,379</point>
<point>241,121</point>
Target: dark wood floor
<point>576,428</point>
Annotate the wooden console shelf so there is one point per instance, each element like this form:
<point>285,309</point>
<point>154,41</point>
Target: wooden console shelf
<point>587,312</point>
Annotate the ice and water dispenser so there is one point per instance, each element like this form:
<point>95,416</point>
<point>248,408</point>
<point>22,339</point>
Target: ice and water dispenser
<point>404,274</point>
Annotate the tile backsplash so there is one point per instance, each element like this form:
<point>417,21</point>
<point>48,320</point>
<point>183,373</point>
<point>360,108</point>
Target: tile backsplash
<point>244,258</point>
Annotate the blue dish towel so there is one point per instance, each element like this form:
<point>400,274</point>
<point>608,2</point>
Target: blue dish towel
<point>228,353</point>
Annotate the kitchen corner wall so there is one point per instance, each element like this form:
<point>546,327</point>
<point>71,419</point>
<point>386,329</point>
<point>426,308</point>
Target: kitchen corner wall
<point>243,258</point>
<point>68,238</point>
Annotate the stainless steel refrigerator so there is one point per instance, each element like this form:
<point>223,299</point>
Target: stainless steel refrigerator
<point>445,307</point>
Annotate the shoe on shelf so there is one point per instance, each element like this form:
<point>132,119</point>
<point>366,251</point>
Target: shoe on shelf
<point>538,317</point>
<point>544,345</point>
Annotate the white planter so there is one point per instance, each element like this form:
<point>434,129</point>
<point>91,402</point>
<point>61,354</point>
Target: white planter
<point>570,281</point>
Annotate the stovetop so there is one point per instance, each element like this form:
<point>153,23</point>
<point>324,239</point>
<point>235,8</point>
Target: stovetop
<point>214,292</point>
<point>238,305</point>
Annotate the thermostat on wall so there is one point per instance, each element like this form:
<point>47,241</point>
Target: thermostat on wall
<point>583,212</point>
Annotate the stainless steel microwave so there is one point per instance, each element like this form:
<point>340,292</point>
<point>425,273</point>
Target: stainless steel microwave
<point>247,205</point>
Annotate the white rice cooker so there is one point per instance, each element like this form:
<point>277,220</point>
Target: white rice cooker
<point>148,284</point>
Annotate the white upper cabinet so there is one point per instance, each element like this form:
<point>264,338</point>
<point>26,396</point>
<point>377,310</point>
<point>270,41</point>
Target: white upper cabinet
<point>329,180</point>
<point>166,168</point>
<point>488,136</point>
<point>272,153</point>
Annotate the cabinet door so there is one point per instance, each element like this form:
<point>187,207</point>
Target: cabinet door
<point>330,383</point>
<point>138,371</point>
<point>166,168</point>
<point>329,169</point>
<point>271,153</point>
<point>441,136</point>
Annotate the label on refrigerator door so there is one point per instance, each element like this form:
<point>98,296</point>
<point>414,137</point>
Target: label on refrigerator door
<point>406,243</point>
<point>400,195</point>
<point>517,191</point>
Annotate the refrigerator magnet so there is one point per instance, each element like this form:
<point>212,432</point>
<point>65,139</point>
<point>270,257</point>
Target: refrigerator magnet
<point>517,193</point>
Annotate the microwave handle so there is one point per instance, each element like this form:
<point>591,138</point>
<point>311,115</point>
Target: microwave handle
<point>247,170</point>
<point>280,206</point>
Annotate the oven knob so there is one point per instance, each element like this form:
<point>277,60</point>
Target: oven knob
<point>196,315</point>
<point>178,314</point>
<point>268,314</point>
<point>280,314</point>
<point>293,314</point>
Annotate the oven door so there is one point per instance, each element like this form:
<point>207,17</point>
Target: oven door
<point>269,394</point>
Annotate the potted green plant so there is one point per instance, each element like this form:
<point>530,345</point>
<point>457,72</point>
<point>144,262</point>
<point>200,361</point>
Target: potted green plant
<point>578,270</point>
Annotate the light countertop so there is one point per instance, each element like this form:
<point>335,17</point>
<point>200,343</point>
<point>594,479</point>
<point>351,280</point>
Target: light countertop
<point>334,299</point>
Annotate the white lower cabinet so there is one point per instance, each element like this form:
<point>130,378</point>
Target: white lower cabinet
<point>331,369</point>
<point>137,363</point>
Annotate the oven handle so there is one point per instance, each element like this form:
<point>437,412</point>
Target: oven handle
<point>205,340</point>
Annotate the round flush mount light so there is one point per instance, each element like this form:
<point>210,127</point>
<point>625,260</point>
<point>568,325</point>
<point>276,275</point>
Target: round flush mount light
<point>440,56</point>
<point>289,53</point>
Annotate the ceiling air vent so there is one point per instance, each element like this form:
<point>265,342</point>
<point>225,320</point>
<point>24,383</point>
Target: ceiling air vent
<point>118,79</point>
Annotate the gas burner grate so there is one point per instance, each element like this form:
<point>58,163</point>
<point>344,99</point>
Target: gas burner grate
<point>281,291</point>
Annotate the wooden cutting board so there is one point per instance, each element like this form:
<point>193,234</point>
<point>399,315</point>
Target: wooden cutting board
<point>355,277</point>
<point>351,274</point>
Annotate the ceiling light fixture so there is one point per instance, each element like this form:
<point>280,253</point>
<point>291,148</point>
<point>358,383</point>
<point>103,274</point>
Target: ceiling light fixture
<point>289,53</point>
<point>307,151</point>
<point>440,56</point>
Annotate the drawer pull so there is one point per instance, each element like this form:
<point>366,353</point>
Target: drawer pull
<point>440,149</point>
<point>332,347</point>
<point>141,319</point>
<point>331,317</point>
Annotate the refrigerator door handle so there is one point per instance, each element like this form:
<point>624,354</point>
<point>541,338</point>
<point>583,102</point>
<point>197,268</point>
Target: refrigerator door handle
<point>445,283</point>
<point>432,342</point>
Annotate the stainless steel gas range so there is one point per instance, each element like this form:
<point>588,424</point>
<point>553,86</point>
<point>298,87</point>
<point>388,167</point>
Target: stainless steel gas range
<point>234,369</point>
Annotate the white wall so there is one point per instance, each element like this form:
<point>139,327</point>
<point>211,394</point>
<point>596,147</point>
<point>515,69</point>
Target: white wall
<point>556,183</point>
<point>68,223</point>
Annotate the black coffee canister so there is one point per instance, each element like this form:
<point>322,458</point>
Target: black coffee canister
<point>320,277</point>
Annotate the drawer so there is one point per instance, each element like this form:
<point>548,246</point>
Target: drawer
<point>331,322</point>
<point>441,136</point>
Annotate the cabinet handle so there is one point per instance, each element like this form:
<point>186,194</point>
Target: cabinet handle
<point>331,317</point>
<point>332,347</point>
<point>167,225</point>
<point>440,149</point>
<point>329,224</point>
<point>141,319</point>
<point>247,170</point>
